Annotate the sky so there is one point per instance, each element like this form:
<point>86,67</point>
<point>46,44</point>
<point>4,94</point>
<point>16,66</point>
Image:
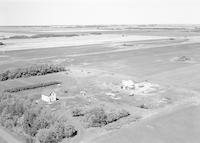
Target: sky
<point>95,12</point>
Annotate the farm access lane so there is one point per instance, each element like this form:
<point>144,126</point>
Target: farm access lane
<point>7,137</point>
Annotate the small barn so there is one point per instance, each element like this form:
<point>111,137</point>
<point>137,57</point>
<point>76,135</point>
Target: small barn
<point>49,97</point>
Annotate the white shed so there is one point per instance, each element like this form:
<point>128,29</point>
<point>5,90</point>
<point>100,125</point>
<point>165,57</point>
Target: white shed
<point>49,97</point>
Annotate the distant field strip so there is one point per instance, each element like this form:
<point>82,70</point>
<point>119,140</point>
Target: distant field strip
<point>38,43</point>
<point>39,36</point>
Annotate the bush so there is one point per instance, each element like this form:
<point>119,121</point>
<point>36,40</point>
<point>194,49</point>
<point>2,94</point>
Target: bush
<point>42,135</point>
<point>56,133</point>
<point>35,70</point>
<point>12,110</point>
<point>29,121</point>
<point>114,116</point>
<point>77,112</point>
<point>143,106</point>
<point>33,119</point>
<point>111,117</point>
<point>34,86</point>
<point>96,117</point>
<point>123,113</point>
<point>1,43</point>
<point>63,130</point>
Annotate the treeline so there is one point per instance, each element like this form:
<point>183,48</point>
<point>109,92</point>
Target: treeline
<point>97,117</point>
<point>33,120</point>
<point>34,86</point>
<point>35,70</point>
<point>48,35</point>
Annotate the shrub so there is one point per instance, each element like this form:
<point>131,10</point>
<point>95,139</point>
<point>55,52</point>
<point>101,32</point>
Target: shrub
<point>123,113</point>
<point>111,117</point>
<point>33,119</point>
<point>30,121</point>
<point>56,133</point>
<point>77,112</point>
<point>143,106</point>
<point>63,130</point>
<point>42,135</point>
<point>114,116</point>
<point>96,117</point>
<point>11,110</point>
<point>1,43</point>
<point>35,70</point>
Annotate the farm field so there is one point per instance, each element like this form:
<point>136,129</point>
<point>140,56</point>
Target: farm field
<point>98,59</point>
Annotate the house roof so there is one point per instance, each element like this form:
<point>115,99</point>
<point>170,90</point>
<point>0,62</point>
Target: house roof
<point>47,92</point>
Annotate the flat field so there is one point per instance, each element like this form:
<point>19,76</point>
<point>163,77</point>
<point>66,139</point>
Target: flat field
<point>99,58</point>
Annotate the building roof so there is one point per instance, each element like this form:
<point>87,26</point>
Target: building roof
<point>48,92</point>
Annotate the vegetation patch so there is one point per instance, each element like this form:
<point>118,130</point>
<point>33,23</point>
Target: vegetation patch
<point>18,37</point>
<point>76,112</point>
<point>35,70</point>
<point>97,117</point>
<point>95,33</point>
<point>34,86</point>
<point>56,133</point>
<point>52,35</point>
<point>48,35</point>
<point>143,106</point>
<point>33,120</point>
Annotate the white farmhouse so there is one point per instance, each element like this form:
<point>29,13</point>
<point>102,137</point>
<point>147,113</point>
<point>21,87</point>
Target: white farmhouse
<point>49,97</point>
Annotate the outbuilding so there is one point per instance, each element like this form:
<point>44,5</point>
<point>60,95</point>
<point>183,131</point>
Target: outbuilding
<point>49,97</point>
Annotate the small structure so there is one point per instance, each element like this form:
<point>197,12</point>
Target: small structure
<point>183,59</point>
<point>83,92</point>
<point>138,87</point>
<point>128,84</point>
<point>112,95</point>
<point>49,97</point>
<point>145,87</point>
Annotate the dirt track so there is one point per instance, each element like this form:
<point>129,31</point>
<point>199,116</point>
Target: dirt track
<point>179,126</point>
<point>7,137</point>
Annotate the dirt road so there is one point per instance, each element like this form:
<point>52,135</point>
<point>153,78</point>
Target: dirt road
<point>7,137</point>
<point>179,126</point>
